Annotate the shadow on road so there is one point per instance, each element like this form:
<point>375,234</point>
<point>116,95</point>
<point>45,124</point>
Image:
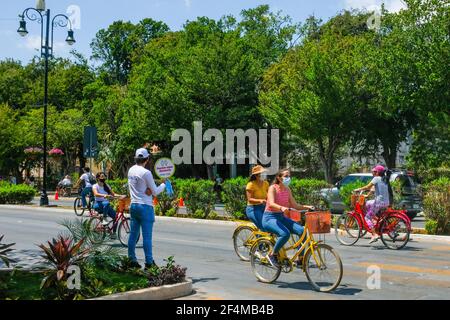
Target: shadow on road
<point>341,290</point>
<point>198,280</point>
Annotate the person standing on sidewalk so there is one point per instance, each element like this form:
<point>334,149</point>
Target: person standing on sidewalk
<point>142,186</point>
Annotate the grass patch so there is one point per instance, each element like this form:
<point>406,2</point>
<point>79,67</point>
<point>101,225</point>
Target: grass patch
<point>23,285</point>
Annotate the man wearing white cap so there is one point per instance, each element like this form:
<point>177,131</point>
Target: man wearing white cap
<point>140,181</point>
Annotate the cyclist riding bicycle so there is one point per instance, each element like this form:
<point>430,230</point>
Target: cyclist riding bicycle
<point>275,218</point>
<point>65,183</point>
<point>87,180</point>
<point>102,191</point>
<point>256,190</point>
<point>382,197</point>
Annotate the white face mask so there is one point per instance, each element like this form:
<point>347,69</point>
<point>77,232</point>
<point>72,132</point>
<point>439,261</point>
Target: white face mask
<point>263,177</point>
<point>287,181</point>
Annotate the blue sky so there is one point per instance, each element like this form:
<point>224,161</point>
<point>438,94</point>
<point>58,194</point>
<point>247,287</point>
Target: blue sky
<point>97,14</point>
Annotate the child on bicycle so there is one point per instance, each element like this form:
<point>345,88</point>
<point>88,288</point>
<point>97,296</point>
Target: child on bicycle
<point>382,196</point>
<point>102,192</point>
<point>279,203</point>
<point>256,191</point>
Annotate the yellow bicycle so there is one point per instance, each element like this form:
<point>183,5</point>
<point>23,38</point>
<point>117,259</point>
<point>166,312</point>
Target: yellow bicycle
<point>321,263</point>
<point>246,235</point>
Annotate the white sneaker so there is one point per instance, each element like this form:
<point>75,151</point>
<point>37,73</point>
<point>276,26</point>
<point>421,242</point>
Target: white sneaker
<point>374,239</point>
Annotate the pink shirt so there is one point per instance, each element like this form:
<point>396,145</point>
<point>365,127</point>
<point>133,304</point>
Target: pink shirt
<point>281,198</point>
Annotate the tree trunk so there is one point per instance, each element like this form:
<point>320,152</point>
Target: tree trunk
<point>390,155</point>
<point>327,159</point>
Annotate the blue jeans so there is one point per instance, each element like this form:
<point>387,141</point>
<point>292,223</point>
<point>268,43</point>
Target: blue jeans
<point>84,193</point>
<point>255,214</point>
<point>105,208</point>
<point>142,215</point>
<point>278,224</point>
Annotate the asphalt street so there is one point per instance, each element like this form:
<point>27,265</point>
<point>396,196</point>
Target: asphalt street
<point>419,271</point>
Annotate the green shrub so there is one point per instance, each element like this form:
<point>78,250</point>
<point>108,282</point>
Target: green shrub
<point>436,204</point>
<point>307,191</point>
<point>234,196</point>
<point>171,212</point>
<point>346,191</point>
<point>167,203</point>
<point>213,215</point>
<point>16,194</point>
<point>182,186</point>
<point>119,186</point>
<point>397,194</point>
<point>157,210</point>
<point>428,175</point>
<point>198,195</point>
<point>431,226</point>
<point>199,214</point>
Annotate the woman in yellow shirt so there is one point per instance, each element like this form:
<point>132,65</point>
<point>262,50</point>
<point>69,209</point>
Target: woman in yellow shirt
<point>256,191</point>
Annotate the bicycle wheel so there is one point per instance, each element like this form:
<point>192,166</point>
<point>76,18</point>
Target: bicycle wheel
<point>124,230</point>
<point>261,266</point>
<point>98,230</point>
<point>347,229</point>
<point>242,241</point>
<point>77,207</point>
<point>394,233</point>
<point>323,268</point>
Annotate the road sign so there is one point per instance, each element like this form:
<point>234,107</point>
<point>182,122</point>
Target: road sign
<point>90,144</point>
<point>164,168</point>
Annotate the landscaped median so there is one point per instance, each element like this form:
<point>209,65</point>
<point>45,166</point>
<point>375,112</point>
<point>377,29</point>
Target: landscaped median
<point>75,268</point>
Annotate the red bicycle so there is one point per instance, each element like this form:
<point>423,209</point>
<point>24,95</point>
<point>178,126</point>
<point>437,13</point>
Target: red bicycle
<point>393,226</point>
<point>101,227</point>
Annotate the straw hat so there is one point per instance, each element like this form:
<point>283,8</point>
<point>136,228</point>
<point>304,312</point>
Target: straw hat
<point>258,169</point>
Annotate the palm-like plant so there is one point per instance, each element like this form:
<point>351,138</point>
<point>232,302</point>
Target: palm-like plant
<point>4,250</point>
<point>61,253</point>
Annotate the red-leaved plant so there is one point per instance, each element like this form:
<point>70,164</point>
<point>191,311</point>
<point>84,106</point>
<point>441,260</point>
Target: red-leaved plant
<point>61,253</point>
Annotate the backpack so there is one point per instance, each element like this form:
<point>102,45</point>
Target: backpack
<point>92,179</point>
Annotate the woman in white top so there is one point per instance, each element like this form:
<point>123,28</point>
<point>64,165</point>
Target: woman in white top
<point>381,184</point>
<point>102,192</point>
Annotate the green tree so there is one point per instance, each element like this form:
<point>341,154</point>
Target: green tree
<point>10,156</point>
<point>115,46</point>
<point>313,92</point>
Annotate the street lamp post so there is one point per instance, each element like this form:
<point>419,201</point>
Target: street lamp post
<point>60,20</point>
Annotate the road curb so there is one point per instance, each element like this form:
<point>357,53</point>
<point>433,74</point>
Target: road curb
<point>166,292</point>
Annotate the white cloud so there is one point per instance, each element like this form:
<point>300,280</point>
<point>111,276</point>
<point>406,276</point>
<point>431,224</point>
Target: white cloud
<point>188,3</point>
<point>371,5</point>
<point>33,42</point>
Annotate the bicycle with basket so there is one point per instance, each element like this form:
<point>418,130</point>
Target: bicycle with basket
<point>321,264</point>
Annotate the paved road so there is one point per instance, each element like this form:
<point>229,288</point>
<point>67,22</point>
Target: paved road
<point>418,222</point>
<point>420,271</point>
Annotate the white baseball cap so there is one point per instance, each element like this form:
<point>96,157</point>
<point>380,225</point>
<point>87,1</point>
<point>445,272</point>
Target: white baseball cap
<point>142,153</point>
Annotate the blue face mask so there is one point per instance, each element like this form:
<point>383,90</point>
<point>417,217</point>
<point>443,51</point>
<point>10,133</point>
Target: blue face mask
<point>287,181</point>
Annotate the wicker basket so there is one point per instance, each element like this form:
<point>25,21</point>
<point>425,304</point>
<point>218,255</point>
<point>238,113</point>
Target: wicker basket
<point>124,205</point>
<point>318,221</point>
<point>355,198</point>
